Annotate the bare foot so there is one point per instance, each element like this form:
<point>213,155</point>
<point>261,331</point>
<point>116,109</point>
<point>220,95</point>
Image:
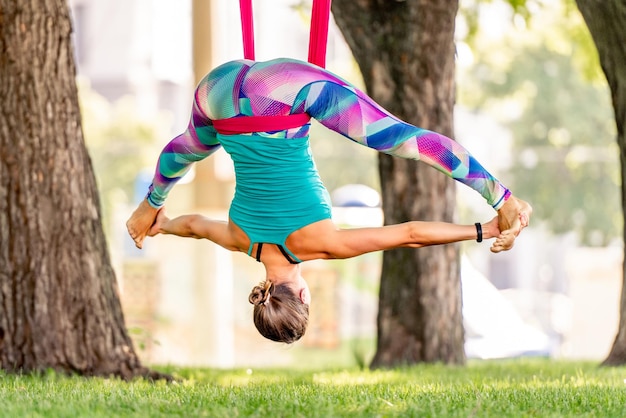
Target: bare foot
<point>513,216</point>
<point>140,222</point>
<point>503,242</point>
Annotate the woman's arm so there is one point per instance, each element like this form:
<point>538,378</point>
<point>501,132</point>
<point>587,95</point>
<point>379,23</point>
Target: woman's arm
<point>346,243</point>
<point>424,234</point>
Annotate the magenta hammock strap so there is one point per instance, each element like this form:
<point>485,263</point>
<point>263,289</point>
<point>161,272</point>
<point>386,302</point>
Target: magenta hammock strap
<point>247,28</point>
<point>247,124</point>
<point>318,36</point>
<point>318,39</point>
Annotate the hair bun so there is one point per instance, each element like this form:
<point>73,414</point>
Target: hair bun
<point>260,293</point>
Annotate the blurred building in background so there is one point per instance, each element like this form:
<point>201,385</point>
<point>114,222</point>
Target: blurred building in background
<point>185,301</point>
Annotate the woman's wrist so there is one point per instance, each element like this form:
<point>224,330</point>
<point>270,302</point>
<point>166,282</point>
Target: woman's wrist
<point>487,230</point>
<point>479,232</point>
<point>490,229</point>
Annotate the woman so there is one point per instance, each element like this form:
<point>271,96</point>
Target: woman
<point>258,111</point>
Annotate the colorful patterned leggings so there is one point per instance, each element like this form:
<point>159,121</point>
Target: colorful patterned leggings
<point>286,86</point>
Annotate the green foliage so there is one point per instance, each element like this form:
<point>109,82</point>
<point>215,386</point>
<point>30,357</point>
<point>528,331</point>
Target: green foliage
<point>470,10</point>
<point>544,87</point>
<point>519,388</point>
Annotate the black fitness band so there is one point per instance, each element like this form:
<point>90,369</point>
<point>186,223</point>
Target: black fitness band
<point>479,232</point>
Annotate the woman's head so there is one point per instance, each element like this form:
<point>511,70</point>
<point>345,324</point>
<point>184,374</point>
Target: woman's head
<point>280,314</point>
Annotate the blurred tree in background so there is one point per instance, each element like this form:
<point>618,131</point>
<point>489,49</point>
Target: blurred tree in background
<point>606,20</point>
<point>545,84</point>
<point>405,51</point>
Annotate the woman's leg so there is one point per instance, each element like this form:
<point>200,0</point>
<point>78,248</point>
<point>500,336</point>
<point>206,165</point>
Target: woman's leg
<point>196,143</point>
<point>350,112</point>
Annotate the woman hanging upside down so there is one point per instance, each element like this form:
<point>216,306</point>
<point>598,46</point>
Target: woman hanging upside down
<point>281,211</point>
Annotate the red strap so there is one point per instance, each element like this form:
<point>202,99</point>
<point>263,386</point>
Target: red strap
<point>318,37</point>
<point>247,28</point>
<point>247,124</point>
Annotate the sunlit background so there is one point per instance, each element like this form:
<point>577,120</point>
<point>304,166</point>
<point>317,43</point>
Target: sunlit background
<point>532,106</point>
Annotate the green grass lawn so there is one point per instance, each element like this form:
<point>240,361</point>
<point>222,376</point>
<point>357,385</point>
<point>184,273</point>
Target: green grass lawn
<point>519,388</point>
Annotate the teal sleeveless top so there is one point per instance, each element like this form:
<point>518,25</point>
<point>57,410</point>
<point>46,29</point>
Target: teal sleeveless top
<point>278,188</point>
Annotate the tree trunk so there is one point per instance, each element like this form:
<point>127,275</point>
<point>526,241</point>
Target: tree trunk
<point>59,304</point>
<point>606,20</point>
<point>405,51</point>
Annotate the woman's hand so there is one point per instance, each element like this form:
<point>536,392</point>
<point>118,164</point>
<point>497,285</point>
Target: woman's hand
<point>157,227</point>
<point>503,241</point>
<point>491,229</point>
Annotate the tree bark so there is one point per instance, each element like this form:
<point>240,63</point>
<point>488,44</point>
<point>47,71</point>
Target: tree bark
<point>59,304</point>
<point>405,50</point>
<point>606,20</point>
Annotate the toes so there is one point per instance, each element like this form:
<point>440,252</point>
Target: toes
<point>504,242</point>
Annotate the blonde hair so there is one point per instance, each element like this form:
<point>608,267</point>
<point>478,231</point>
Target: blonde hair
<point>279,314</point>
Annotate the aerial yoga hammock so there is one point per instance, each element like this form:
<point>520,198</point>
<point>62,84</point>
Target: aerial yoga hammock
<point>318,40</point>
<point>259,112</point>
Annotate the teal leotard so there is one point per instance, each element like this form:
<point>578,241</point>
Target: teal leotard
<point>278,189</point>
